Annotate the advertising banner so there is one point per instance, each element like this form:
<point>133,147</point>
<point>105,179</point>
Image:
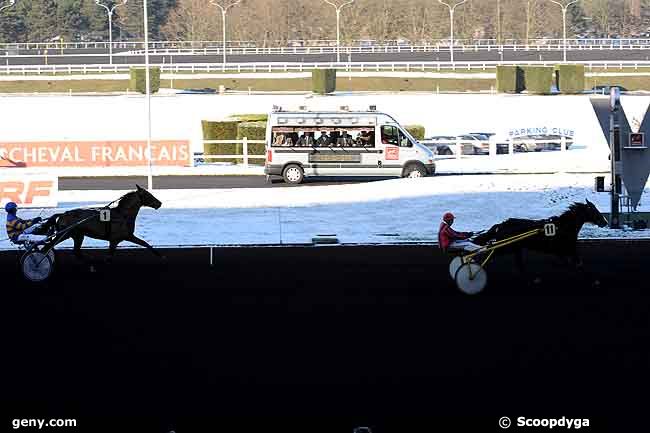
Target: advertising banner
<point>94,153</point>
<point>28,190</point>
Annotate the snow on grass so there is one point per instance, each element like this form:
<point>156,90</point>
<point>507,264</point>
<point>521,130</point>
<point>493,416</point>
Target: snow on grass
<point>400,210</point>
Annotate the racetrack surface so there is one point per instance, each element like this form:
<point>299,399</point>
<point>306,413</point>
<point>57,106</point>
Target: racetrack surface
<point>197,182</point>
<point>346,336</point>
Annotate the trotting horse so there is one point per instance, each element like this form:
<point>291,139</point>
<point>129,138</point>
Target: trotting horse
<point>120,227</point>
<point>563,244</point>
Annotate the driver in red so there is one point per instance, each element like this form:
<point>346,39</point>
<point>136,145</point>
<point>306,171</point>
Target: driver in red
<point>451,240</point>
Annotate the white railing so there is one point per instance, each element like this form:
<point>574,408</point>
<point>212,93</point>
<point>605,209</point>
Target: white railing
<point>193,68</point>
<point>514,145</point>
<point>365,43</point>
<point>245,156</point>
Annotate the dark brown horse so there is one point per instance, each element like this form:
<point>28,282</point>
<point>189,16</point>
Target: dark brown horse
<point>563,243</point>
<point>79,223</point>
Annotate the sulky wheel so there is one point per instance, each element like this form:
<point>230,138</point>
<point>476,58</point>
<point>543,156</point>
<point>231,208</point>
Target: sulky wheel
<point>471,278</point>
<point>37,266</point>
<point>456,263</point>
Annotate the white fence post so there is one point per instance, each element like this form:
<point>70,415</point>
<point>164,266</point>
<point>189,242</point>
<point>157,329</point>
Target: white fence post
<point>563,144</point>
<point>245,153</point>
<point>511,146</point>
<point>459,148</point>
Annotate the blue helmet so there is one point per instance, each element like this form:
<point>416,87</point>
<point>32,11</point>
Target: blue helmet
<point>11,207</point>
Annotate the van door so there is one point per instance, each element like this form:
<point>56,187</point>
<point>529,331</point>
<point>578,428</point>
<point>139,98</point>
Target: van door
<point>398,149</point>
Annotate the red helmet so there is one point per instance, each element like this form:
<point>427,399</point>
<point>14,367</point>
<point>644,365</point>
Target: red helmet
<point>448,217</point>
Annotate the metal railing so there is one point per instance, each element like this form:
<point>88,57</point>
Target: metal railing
<point>314,43</point>
<point>245,156</point>
<point>514,145</point>
<point>193,68</point>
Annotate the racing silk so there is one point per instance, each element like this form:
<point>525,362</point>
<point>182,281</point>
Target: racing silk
<point>446,235</point>
<point>15,226</point>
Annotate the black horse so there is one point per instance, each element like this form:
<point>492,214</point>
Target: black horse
<point>563,243</point>
<point>79,223</point>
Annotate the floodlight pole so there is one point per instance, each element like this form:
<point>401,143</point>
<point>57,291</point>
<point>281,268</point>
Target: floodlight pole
<point>11,3</point>
<point>564,11</point>
<point>109,12</point>
<point>148,95</point>
<point>224,10</point>
<point>338,25</point>
<point>451,26</point>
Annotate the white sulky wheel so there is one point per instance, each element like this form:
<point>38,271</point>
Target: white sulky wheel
<point>456,263</point>
<point>471,278</point>
<point>37,266</point>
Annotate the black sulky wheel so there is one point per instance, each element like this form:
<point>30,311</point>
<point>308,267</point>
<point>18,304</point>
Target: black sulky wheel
<point>36,266</point>
<point>471,278</point>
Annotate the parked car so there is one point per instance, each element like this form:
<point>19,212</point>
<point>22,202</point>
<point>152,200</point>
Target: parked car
<point>440,144</point>
<point>605,89</point>
<point>539,143</point>
<point>474,144</point>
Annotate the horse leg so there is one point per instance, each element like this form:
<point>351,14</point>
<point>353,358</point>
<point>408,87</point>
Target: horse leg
<point>519,261</point>
<point>136,240</point>
<point>78,239</point>
<point>111,250</point>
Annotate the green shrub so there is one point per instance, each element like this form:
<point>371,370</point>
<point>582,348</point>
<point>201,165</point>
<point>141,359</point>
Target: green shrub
<point>323,81</point>
<point>571,78</point>
<point>509,79</point>
<point>226,130</point>
<point>138,79</point>
<point>253,131</point>
<point>417,131</point>
<point>249,117</point>
<point>538,79</point>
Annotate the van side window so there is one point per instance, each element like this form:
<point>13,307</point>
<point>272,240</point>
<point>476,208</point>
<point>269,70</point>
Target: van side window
<point>404,141</point>
<point>389,135</point>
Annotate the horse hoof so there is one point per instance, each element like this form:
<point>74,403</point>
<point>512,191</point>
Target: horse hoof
<point>92,269</point>
<point>596,284</point>
<point>537,280</point>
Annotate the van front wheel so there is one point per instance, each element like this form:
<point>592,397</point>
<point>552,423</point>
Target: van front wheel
<point>415,171</point>
<point>293,174</point>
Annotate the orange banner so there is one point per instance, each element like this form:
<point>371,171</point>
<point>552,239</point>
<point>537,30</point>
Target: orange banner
<point>94,153</point>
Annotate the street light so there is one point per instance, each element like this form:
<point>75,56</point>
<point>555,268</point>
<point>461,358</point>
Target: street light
<point>451,21</point>
<point>224,9</point>
<point>11,3</point>
<point>338,25</point>
<point>148,95</point>
<point>564,10</point>
<point>109,11</point>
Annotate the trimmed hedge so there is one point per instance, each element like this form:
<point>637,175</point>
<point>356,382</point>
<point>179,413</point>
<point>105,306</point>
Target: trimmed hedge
<point>252,131</point>
<point>538,79</point>
<point>138,79</point>
<point>571,78</point>
<point>417,131</point>
<point>510,79</point>
<point>323,81</point>
<point>250,117</point>
<point>220,131</point>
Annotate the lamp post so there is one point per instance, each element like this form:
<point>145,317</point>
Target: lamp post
<point>564,7</point>
<point>451,22</point>
<point>148,95</point>
<point>11,3</point>
<point>109,11</point>
<point>224,9</point>
<point>338,25</point>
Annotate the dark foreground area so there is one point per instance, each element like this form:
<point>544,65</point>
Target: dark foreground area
<point>325,339</point>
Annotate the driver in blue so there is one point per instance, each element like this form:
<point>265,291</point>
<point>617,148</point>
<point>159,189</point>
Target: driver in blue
<point>20,230</point>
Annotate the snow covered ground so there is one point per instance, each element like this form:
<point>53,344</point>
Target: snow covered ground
<point>400,210</point>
